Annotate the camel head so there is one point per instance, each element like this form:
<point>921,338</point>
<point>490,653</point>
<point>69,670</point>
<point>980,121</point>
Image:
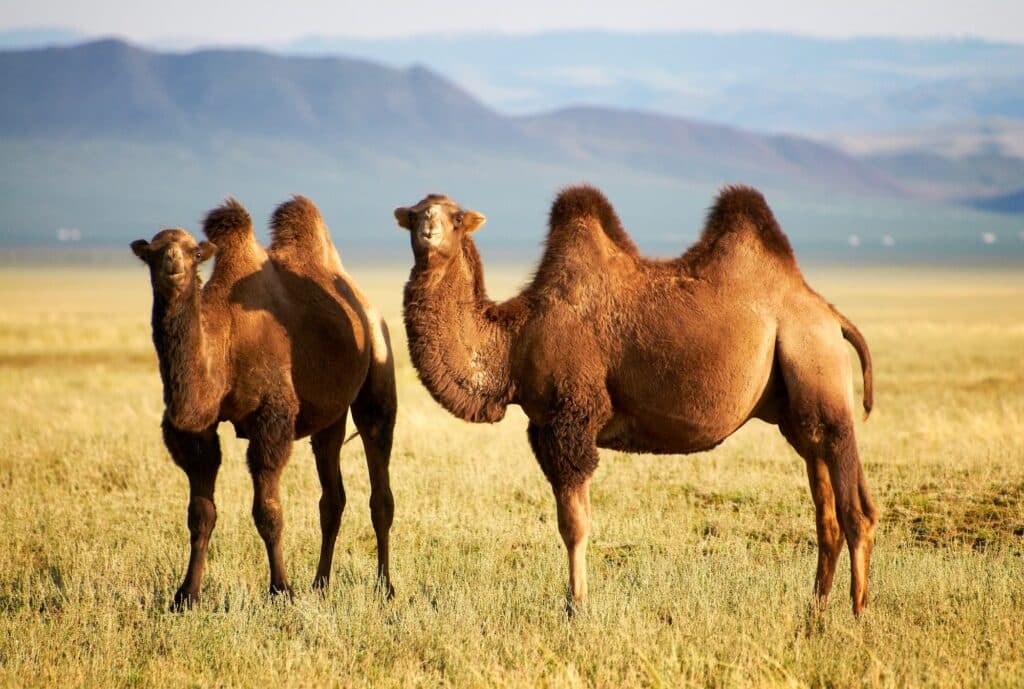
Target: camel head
<point>173,257</point>
<point>437,225</point>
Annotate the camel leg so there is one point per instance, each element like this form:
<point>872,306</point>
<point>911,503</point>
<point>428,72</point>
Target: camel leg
<point>327,450</point>
<point>374,411</point>
<point>856,511</point>
<point>567,453</point>
<point>574,526</point>
<point>830,536</point>
<point>198,454</point>
<point>270,446</point>
<point>819,424</point>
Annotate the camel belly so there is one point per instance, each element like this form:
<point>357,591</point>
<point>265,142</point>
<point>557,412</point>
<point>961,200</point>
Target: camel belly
<point>686,399</point>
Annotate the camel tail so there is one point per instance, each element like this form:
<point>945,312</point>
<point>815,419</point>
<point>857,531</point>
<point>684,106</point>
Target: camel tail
<point>583,201</point>
<point>226,221</point>
<point>297,222</point>
<point>853,336</point>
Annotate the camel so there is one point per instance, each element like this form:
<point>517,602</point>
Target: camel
<point>282,344</point>
<point>608,349</point>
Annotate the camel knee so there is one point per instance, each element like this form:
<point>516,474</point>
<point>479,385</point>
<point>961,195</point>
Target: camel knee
<point>268,517</point>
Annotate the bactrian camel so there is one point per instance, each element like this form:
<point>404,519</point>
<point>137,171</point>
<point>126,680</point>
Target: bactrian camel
<point>606,348</point>
<point>281,343</point>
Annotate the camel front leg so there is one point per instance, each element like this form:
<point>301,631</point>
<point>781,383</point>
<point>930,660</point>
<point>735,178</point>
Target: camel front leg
<point>574,525</point>
<point>567,454</point>
<point>198,454</point>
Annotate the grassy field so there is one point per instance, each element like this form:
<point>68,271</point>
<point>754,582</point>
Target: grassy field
<point>700,566</point>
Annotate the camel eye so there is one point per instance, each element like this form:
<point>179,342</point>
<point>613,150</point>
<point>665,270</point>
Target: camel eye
<point>458,219</point>
<point>199,254</point>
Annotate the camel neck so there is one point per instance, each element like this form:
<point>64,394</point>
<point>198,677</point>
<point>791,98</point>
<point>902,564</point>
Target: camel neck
<point>457,344</point>
<point>184,360</point>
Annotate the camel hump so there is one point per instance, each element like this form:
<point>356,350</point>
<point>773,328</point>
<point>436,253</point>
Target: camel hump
<point>297,222</point>
<point>228,221</point>
<point>738,206</point>
<point>584,201</point>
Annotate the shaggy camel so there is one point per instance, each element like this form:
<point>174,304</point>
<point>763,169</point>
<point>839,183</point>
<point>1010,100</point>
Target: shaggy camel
<point>282,344</point>
<point>607,348</point>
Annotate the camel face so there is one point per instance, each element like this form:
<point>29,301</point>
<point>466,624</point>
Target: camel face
<point>172,256</point>
<point>437,224</point>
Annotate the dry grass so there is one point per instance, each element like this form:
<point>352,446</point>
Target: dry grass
<point>701,566</point>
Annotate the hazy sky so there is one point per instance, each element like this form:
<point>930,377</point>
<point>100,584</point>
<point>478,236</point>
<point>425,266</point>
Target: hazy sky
<point>260,21</point>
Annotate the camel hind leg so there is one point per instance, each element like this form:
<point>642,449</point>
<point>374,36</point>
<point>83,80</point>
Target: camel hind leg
<point>270,444</point>
<point>818,422</point>
<point>374,411</point>
<point>327,451</point>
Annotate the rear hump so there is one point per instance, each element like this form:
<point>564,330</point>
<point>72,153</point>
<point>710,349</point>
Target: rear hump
<point>738,205</point>
<point>297,222</point>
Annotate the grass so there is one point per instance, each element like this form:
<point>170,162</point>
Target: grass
<point>700,566</point>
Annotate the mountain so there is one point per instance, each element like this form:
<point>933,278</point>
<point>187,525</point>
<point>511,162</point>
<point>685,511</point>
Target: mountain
<point>1004,203</point>
<point>113,141</point>
<point>759,81</point>
<point>112,88</point>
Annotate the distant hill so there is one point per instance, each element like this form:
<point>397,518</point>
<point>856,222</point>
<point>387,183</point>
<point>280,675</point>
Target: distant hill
<point>1004,203</point>
<point>112,88</point>
<point>106,142</point>
<point>109,88</point>
<point>759,81</point>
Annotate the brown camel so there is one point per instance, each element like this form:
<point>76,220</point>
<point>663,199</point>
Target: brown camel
<point>606,348</point>
<point>282,344</point>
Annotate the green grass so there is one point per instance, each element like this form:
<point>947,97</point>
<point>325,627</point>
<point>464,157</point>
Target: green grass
<point>700,566</point>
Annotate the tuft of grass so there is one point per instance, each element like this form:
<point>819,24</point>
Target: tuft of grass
<point>700,566</point>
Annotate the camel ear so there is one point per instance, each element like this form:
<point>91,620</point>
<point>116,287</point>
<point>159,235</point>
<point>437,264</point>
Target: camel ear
<point>140,247</point>
<point>206,251</point>
<point>404,217</point>
<point>472,221</point>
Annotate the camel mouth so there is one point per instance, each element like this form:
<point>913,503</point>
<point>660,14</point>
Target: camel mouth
<point>431,236</point>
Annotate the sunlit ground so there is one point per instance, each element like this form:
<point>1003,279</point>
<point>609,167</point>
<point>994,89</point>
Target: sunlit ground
<point>700,566</point>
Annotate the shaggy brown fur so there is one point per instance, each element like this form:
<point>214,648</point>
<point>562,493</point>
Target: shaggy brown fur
<point>606,348</point>
<point>282,344</point>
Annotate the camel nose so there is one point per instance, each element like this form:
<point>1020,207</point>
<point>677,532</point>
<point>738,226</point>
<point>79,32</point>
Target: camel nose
<point>174,261</point>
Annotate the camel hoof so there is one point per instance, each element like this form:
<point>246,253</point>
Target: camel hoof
<point>282,592</point>
<point>574,607</point>
<point>184,600</point>
<point>386,589</point>
<point>320,584</point>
